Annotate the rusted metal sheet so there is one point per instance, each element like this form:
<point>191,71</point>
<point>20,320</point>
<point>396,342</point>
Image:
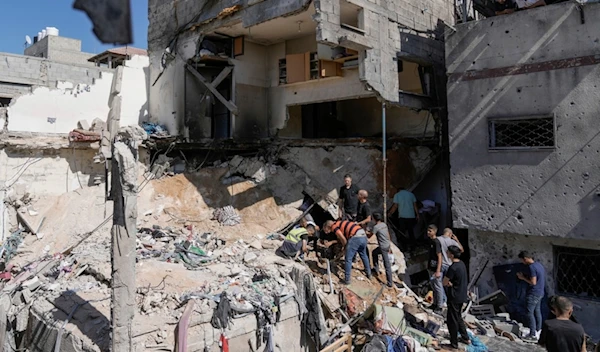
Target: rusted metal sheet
<point>526,68</point>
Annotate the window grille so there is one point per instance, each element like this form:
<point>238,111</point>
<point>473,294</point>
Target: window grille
<point>577,272</point>
<point>522,133</point>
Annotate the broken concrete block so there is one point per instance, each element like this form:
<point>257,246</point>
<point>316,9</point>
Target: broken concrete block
<point>249,257</point>
<point>486,327</point>
<point>32,284</point>
<point>22,319</point>
<point>98,125</point>
<point>27,296</point>
<point>83,125</point>
<point>256,245</point>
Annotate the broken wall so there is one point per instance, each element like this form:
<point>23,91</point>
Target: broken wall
<point>57,110</point>
<point>19,73</point>
<point>390,29</point>
<point>167,103</point>
<point>503,248</point>
<point>532,63</point>
<point>263,103</point>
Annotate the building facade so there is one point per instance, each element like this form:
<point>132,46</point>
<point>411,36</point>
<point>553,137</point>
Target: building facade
<point>523,103</point>
<point>296,68</point>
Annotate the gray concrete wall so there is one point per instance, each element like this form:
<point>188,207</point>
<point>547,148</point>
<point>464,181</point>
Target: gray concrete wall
<point>385,31</point>
<point>386,37</point>
<point>530,63</point>
<point>504,248</point>
<point>17,72</point>
<point>60,49</point>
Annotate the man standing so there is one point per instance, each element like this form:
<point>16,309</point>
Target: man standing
<point>456,289</point>
<point>408,213</point>
<point>294,245</point>
<point>353,238</point>
<point>562,334</point>
<point>363,212</point>
<point>380,229</point>
<point>536,278</point>
<point>348,201</point>
<point>448,239</point>
<point>435,268</point>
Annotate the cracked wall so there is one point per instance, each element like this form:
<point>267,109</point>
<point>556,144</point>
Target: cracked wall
<point>58,109</point>
<point>504,248</point>
<point>536,192</point>
<point>262,102</point>
<point>392,29</point>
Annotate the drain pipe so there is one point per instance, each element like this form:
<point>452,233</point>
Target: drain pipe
<point>383,128</point>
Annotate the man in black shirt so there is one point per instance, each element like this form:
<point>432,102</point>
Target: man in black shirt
<point>348,201</point>
<point>561,334</point>
<point>455,282</point>
<point>363,212</point>
<point>504,7</point>
<point>435,268</point>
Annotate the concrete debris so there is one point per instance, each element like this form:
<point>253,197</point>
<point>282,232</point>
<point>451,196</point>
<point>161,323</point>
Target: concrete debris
<point>227,216</point>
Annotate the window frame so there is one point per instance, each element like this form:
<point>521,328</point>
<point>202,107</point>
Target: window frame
<point>556,252</point>
<point>491,137</point>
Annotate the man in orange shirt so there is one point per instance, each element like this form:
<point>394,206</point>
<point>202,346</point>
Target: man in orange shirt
<point>354,240</point>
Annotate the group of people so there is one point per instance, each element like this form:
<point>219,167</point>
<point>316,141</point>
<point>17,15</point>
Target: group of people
<point>356,223</point>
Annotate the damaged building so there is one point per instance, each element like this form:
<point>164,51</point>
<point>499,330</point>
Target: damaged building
<point>522,101</point>
<point>314,74</point>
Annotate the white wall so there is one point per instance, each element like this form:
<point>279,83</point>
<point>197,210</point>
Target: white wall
<point>134,91</point>
<point>69,103</point>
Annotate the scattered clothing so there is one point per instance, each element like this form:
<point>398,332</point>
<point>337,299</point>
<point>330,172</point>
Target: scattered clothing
<point>350,198</point>
<point>562,336</point>
<point>223,314</point>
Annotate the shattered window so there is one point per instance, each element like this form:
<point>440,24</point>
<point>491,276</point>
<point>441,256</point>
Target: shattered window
<point>577,272</point>
<point>522,133</point>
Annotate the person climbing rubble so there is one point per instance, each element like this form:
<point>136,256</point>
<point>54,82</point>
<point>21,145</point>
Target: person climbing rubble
<point>455,283</point>
<point>294,245</point>
<point>380,230</point>
<point>353,240</point>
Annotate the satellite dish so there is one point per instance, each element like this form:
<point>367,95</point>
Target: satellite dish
<point>28,40</point>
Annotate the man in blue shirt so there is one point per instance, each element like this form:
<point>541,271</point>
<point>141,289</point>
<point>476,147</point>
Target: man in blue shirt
<point>408,213</point>
<point>536,278</point>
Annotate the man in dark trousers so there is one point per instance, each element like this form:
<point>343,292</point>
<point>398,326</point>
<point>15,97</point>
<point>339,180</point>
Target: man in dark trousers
<point>348,200</point>
<point>455,282</point>
<point>536,278</point>
<point>562,334</point>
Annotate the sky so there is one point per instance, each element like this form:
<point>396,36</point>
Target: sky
<point>28,17</point>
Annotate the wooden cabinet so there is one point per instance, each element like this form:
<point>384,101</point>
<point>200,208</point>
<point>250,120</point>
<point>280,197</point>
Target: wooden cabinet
<point>306,67</point>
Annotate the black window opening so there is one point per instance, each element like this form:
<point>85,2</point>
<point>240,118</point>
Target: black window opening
<point>522,133</point>
<point>577,272</point>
